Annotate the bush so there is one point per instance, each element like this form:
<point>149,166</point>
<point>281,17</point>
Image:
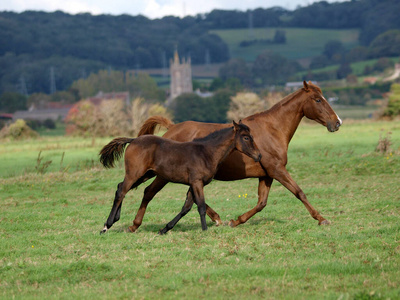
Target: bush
<point>393,107</point>
<point>18,131</point>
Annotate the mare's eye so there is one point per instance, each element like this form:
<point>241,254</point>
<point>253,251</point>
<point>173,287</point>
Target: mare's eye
<point>246,138</point>
<point>318,100</point>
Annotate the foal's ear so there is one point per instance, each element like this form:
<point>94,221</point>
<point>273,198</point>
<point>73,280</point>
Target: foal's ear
<point>235,125</point>
<point>305,86</point>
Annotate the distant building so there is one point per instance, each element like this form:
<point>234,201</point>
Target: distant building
<point>51,110</point>
<point>181,76</point>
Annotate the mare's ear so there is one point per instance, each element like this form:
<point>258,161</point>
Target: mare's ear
<point>240,122</point>
<point>305,86</point>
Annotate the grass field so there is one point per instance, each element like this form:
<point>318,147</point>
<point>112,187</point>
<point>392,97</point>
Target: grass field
<point>300,42</point>
<point>50,222</point>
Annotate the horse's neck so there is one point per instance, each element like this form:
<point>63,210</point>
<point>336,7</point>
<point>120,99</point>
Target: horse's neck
<point>221,145</point>
<point>287,114</point>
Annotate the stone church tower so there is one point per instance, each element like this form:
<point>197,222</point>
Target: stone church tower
<point>181,76</point>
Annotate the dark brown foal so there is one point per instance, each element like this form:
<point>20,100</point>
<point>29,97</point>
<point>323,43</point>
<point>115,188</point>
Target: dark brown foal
<point>191,163</point>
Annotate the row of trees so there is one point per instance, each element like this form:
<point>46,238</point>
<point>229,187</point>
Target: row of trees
<point>33,43</point>
<point>106,81</point>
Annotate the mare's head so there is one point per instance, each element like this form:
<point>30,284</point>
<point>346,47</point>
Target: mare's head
<point>317,108</point>
<point>244,141</point>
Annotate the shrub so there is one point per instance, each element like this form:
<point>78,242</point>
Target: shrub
<point>18,130</point>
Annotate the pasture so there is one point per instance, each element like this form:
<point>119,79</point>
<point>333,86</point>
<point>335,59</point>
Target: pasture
<point>301,43</point>
<point>51,216</point>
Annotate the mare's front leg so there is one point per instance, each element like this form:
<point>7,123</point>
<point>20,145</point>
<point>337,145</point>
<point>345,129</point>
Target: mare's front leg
<point>148,195</point>
<point>264,186</point>
<point>283,176</point>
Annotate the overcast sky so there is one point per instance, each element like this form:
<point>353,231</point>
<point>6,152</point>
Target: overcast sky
<point>149,8</point>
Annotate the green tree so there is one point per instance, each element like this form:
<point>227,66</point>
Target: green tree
<point>385,44</point>
<point>393,107</point>
<point>280,37</point>
<point>332,48</point>
<point>11,102</point>
<point>189,107</point>
<point>272,68</point>
<point>236,68</point>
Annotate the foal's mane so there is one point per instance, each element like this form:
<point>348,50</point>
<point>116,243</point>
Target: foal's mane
<point>216,134</point>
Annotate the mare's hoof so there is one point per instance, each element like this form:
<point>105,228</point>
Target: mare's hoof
<point>103,231</point>
<point>324,222</point>
<point>131,229</point>
<point>218,222</point>
<point>232,223</point>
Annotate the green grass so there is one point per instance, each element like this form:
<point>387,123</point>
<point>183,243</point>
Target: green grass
<point>355,111</point>
<point>50,243</point>
<point>300,42</point>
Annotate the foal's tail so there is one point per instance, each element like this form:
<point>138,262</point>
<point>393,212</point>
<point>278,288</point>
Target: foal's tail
<point>151,123</point>
<point>113,151</point>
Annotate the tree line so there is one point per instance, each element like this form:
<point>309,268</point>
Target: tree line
<point>32,43</point>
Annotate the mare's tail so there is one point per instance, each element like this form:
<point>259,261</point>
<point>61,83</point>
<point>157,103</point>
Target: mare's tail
<point>151,123</point>
<point>113,151</point>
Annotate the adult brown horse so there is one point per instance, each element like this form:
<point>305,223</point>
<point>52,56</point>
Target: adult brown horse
<point>272,131</point>
<point>192,163</point>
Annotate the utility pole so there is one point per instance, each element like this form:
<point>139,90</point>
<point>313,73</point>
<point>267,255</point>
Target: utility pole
<point>22,86</point>
<point>52,81</point>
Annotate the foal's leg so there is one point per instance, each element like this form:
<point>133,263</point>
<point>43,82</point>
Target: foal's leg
<point>198,194</point>
<point>185,209</point>
<point>123,188</point>
<point>148,195</point>
<point>283,176</point>
<point>264,186</point>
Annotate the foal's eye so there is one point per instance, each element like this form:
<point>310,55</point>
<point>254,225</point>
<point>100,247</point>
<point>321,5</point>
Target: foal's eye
<point>246,138</point>
<point>318,100</point>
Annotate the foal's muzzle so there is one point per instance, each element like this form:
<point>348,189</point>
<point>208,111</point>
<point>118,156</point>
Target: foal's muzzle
<point>258,158</point>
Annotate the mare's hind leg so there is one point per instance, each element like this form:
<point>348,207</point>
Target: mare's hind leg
<point>148,195</point>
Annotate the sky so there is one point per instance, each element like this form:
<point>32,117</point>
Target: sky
<point>150,8</point>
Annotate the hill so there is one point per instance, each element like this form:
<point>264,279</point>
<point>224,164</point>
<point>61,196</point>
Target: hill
<point>301,43</point>
<point>73,46</point>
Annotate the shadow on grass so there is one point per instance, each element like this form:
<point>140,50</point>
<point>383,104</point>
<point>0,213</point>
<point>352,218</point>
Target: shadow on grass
<point>186,227</point>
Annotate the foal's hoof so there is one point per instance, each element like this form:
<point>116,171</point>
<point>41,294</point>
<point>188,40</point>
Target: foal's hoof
<point>104,230</point>
<point>324,222</point>
<point>162,231</point>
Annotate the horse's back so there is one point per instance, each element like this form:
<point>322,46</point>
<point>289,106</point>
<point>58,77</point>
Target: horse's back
<point>190,130</point>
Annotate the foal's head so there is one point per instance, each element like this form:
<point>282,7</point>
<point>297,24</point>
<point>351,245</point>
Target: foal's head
<point>317,108</point>
<point>244,141</point>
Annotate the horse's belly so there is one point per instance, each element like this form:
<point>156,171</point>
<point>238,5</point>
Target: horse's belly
<point>238,166</point>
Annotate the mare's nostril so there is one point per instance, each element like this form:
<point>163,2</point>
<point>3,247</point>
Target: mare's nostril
<point>338,124</point>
